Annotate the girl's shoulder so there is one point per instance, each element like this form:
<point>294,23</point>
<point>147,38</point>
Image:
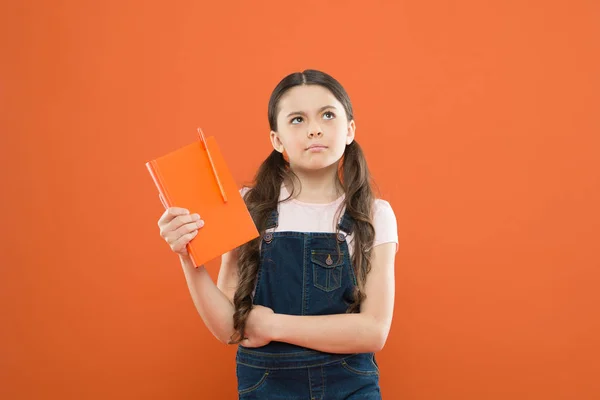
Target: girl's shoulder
<point>384,223</point>
<point>244,190</point>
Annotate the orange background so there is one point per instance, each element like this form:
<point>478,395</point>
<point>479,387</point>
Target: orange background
<point>480,124</point>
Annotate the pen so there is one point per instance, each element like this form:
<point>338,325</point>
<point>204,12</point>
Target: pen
<point>212,165</point>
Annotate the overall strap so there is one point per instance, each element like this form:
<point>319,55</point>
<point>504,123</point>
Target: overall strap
<point>346,223</point>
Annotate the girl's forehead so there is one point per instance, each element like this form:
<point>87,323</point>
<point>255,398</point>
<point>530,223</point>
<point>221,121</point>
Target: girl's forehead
<point>307,98</point>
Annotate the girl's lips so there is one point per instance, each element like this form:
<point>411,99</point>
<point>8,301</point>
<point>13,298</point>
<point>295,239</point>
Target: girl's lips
<point>317,149</point>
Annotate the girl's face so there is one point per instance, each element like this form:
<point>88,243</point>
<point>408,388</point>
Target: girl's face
<point>312,128</point>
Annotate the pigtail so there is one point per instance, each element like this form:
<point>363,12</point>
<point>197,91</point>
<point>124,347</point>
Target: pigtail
<point>356,181</point>
<point>261,200</point>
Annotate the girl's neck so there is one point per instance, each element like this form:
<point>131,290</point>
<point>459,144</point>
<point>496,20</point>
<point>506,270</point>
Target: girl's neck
<point>317,187</point>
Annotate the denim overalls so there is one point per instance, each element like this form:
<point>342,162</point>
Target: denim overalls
<point>301,274</point>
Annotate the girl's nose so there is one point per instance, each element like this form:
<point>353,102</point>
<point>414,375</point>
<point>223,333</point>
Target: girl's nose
<point>315,132</point>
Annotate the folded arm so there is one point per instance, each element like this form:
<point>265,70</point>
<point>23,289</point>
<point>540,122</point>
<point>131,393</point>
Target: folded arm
<point>362,332</point>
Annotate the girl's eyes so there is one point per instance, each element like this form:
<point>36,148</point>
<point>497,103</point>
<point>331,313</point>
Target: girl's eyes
<point>327,114</point>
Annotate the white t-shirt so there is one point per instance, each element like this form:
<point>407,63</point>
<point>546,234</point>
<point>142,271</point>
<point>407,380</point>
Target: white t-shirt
<point>297,216</point>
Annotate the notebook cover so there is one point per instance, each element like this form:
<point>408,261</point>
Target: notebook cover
<point>184,178</point>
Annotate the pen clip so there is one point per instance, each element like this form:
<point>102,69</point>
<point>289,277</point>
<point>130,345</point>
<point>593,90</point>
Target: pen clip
<point>212,165</point>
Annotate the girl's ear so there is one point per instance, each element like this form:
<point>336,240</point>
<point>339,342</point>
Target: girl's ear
<point>276,142</point>
<point>351,132</point>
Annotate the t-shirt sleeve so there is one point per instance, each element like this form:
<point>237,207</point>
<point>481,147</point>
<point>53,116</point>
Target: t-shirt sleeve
<point>384,222</point>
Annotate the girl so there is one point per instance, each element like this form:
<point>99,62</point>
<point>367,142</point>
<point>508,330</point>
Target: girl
<point>311,300</point>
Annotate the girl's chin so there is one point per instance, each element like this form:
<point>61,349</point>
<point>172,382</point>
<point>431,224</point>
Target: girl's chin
<point>315,165</point>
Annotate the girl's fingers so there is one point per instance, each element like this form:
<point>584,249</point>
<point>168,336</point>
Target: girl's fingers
<point>181,232</point>
<point>178,222</point>
<point>180,243</point>
<point>187,228</point>
<point>170,214</point>
<point>178,227</point>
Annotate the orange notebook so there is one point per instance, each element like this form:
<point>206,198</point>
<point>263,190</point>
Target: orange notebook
<point>197,178</point>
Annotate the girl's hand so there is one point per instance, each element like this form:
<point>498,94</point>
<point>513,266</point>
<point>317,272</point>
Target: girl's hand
<point>178,227</point>
<point>259,327</point>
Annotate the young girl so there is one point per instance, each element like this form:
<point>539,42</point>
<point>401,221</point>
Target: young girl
<point>311,300</point>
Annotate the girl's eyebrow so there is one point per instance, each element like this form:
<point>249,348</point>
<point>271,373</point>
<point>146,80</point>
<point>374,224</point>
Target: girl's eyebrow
<point>302,112</point>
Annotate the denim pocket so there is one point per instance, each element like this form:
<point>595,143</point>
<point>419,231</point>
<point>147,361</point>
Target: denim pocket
<point>327,269</point>
<point>250,378</point>
<point>361,364</point>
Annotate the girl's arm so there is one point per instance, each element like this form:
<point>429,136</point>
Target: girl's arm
<point>213,302</point>
<point>364,332</point>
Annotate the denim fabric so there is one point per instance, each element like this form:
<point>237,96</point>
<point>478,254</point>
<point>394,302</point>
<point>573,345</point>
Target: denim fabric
<point>305,274</point>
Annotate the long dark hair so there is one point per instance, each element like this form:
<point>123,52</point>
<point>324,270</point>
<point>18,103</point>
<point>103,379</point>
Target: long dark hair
<point>262,199</point>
